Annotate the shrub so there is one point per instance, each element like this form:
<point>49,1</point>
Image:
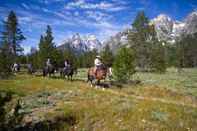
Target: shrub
<point>123,65</point>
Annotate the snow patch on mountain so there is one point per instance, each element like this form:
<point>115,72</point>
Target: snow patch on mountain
<point>81,43</point>
<point>169,30</point>
<point>191,23</point>
<point>164,27</point>
<point>92,42</point>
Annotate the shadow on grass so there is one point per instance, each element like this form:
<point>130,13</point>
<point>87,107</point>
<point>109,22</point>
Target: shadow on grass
<point>120,85</point>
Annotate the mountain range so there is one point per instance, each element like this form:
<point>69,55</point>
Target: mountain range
<point>81,44</point>
<point>166,28</point>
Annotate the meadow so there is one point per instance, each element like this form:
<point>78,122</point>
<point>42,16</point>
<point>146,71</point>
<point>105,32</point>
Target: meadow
<point>159,102</point>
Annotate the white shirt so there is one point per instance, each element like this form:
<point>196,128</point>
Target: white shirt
<point>110,71</point>
<point>48,62</point>
<point>65,64</point>
<point>97,62</point>
<point>15,65</point>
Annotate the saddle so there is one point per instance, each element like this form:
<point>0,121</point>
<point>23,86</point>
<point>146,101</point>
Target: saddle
<point>67,70</point>
<point>96,69</point>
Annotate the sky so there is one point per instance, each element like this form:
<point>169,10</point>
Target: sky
<point>102,18</point>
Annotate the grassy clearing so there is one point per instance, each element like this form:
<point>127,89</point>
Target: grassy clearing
<point>161,102</point>
<point>185,81</point>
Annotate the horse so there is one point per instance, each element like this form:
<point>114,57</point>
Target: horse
<point>48,70</point>
<point>30,69</point>
<point>69,71</point>
<point>101,74</point>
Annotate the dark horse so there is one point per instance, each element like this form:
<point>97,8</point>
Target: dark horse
<point>69,71</point>
<point>48,70</point>
<point>101,74</point>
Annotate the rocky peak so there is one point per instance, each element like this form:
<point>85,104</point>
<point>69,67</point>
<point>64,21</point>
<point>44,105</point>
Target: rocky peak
<point>92,42</point>
<point>178,28</point>
<point>81,44</point>
<point>163,26</point>
<point>191,23</point>
<point>163,18</point>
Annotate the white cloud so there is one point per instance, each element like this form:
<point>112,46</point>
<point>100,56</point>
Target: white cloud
<point>104,34</point>
<point>25,6</point>
<point>97,15</point>
<point>25,19</point>
<point>50,1</point>
<point>46,10</point>
<point>82,4</point>
<point>26,49</point>
<point>96,18</point>
<point>118,8</point>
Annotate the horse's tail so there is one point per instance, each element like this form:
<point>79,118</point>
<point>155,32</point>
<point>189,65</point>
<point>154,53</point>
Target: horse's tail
<point>88,78</point>
<point>61,72</point>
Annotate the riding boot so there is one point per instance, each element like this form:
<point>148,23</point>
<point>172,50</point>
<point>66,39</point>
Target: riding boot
<point>95,71</point>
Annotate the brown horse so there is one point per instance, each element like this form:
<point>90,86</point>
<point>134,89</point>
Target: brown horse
<point>101,74</point>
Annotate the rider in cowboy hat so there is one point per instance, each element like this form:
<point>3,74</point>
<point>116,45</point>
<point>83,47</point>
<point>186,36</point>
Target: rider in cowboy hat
<point>97,63</point>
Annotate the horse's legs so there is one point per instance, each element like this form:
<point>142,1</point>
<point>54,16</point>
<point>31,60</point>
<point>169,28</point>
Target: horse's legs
<point>88,79</point>
<point>43,73</point>
<point>98,82</point>
<point>91,82</point>
<point>67,77</point>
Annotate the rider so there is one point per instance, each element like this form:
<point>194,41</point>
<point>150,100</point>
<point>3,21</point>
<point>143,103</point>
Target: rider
<point>29,66</point>
<point>48,63</point>
<point>66,64</point>
<point>15,66</point>
<point>97,63</point>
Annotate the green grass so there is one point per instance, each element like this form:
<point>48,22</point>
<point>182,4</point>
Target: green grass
<point>161,102</point>
<point>185,81</point>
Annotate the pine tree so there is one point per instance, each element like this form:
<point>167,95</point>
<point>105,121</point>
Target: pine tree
<point>47,48</point>
<point>124,65</point>
<point>139,40</point>
<point>140,24</point>
<point>11,38</point>
<point>68,54</point>
<point>149,52</point>
<point>170,54</point>
<point>6,60</point>
<point>158,58</point>
<point>12,34</point>
<point>86,59</point>
<point>33,58</point>
<point>58,58</point>
<point>107,56</point>
<point>157,50</point>
<point>187,50</point>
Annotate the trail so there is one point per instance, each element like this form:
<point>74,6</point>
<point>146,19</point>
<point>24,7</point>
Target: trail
<point>152,99</point>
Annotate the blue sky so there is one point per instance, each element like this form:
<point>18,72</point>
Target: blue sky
<point>102,18</point>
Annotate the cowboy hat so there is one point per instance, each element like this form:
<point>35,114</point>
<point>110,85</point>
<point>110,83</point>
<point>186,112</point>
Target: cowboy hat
<point>98,56</point>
